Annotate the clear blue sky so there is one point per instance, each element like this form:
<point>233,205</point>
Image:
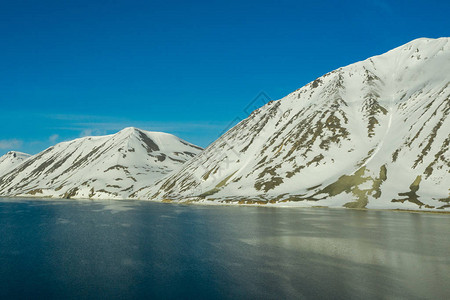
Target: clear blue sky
<point>74,68</point>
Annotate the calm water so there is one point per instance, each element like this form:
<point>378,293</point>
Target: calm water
<point>130,249</point>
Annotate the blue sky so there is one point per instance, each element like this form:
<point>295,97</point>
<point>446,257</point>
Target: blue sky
<point>77,68</point>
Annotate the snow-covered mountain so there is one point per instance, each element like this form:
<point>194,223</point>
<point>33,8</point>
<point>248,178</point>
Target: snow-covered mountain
<point>113,166</point>
<point>373,134</point>
<point>11,160</point>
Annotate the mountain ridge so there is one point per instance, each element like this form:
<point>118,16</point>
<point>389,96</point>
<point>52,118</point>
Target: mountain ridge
<point>11,159</point>
<point>341,132</point>
<point>111,166</point>
<point>372,134</point>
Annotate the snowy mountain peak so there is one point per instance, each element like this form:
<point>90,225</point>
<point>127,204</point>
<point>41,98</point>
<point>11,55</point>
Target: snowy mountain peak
<point>128,131</point>
<point>424,41</point>
<point>153,140</point>
<point>371,134</point>
<point>112,166</point>
<point>17,154</point>
<point>11,160</point>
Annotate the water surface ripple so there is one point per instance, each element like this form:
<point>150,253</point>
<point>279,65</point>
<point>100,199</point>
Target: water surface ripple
<point>67,249</point>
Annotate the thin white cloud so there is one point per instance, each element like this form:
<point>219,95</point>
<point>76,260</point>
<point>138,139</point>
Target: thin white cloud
<point>53,138</point>
<point>91,132</point>
<point>195,131</point>
<point>91,125</point>
<point>11,144</point>
<point>100,128</point>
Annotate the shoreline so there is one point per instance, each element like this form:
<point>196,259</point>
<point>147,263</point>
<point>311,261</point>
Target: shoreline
<point>234,204</point>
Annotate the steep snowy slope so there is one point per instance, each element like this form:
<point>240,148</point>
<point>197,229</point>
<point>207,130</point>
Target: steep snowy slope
<point>11,160</point>
<point>113,166</point>
<point>373,134</point>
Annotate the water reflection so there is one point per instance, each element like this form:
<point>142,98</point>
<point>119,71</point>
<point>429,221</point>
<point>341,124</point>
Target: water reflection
<point>132,249</point>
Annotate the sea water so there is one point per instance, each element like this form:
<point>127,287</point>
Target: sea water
<point>69,249</point>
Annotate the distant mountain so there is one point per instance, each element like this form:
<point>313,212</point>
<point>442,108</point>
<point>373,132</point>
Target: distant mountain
<point>374,134</point>
<point>10,160</point>
<point>113,166</point>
